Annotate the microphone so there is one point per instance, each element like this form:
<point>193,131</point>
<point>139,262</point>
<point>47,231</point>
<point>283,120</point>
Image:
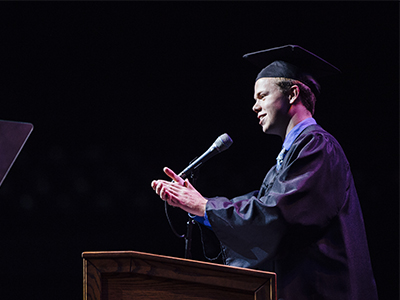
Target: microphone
<point>222,143</point>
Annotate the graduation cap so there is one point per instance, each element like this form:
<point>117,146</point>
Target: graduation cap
<point>294,62</point>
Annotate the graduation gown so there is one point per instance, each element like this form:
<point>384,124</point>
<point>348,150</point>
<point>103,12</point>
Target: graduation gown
<point>305,223</point>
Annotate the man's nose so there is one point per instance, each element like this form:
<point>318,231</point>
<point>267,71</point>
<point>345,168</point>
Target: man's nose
<point>256,107</point>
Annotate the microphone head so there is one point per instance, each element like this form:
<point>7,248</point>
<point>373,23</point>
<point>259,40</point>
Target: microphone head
<point>223,142</point>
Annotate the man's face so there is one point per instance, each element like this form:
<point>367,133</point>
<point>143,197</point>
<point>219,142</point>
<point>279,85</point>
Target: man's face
<point>271,106</point>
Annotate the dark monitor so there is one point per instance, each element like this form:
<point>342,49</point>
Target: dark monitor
<point>13,136</point>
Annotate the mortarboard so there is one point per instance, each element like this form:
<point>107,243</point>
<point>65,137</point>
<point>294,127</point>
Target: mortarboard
<point>294,62</point>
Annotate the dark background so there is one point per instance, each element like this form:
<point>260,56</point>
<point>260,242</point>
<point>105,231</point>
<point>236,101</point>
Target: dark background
<point>117,91</point>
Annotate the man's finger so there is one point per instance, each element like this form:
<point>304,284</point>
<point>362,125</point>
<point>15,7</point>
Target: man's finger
<point>171,174</point>
<point>154,184</point>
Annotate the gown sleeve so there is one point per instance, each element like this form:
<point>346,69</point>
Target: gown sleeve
<point>293,205</point>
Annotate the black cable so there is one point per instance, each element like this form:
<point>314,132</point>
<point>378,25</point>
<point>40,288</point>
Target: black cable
<point>204,246</point>
<point>169,221</point>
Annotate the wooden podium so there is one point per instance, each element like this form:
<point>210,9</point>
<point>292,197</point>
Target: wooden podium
<point>123,275</point>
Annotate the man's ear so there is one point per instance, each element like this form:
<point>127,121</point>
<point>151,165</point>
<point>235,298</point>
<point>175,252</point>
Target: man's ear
<point>294,94</point>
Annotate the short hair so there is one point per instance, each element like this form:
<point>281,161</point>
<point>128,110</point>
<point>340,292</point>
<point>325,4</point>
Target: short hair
<point>307,97</point>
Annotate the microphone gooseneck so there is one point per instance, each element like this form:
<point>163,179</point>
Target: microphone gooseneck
<point>222,143</point>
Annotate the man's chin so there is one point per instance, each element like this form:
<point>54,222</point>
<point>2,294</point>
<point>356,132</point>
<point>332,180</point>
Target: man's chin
<point>267,130</point>
<point>270,131</point>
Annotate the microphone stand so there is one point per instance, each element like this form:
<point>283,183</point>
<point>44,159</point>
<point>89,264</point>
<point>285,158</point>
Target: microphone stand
<point>188,238</point>
<point>189,225</point>
<point>222,143</point>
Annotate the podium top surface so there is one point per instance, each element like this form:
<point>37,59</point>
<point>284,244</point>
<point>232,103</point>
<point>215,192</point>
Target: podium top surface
<point>179,261</point>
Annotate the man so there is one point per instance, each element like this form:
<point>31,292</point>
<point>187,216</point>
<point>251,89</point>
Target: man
<point>305,222</point>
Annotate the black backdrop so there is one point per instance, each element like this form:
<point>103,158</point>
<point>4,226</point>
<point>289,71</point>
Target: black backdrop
<point>116,91</point>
